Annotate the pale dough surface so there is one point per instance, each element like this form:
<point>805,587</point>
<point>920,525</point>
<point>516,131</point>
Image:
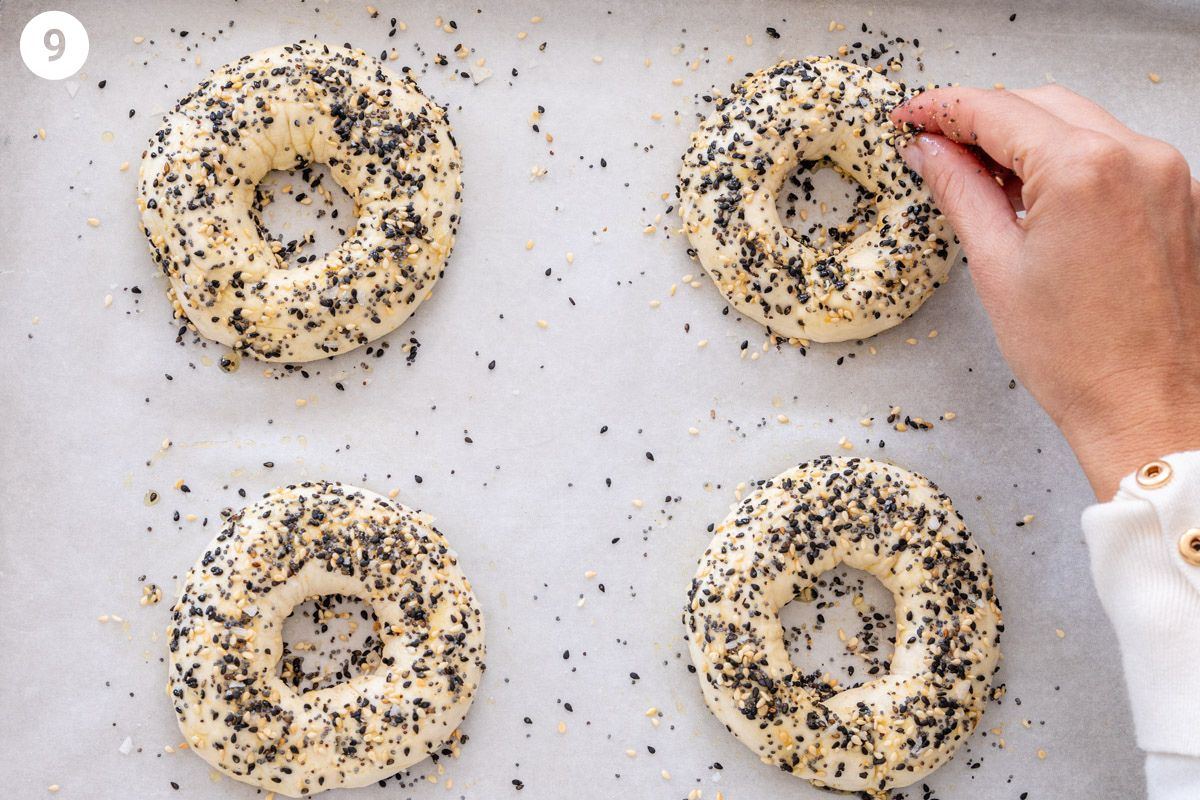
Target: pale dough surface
<point>889,731</point>
<point>226,639</point>
<point>737,164</point>
<point>280,109</point>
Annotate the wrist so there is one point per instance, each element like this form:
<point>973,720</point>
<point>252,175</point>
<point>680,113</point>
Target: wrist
<point>1133,425</point>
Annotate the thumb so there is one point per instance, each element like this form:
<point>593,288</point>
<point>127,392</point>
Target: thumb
<point>965,191</point>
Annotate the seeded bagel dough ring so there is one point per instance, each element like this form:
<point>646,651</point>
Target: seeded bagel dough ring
<point>226,639</point>
<point>894,524</point>
<point>738,162</point>
<point>281,109</point>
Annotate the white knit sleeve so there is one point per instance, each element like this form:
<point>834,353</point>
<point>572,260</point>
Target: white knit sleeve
<point>1152,596</point>
<point>1170,777</point>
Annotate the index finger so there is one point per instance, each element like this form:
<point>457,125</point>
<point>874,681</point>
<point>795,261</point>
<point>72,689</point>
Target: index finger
<point>1075,109</point>
<point>1009,128</point>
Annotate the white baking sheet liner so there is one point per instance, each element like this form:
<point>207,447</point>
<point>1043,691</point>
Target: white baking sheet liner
<point>512,460</point>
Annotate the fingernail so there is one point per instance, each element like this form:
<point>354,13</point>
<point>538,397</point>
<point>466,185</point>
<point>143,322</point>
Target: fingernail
<point>916,151</point>
<point>913,155</point>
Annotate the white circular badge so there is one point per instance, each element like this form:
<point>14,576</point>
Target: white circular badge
<point>54,45</point>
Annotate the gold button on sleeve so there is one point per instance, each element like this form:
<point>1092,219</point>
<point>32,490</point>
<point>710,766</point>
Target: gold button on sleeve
<point>1154,474</point>
<point>1189,546</point>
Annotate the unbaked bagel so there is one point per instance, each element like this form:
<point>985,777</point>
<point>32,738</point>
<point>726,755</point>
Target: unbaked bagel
<point>280,109</point>
<point>739,159</point>
<point>226,639</point>
<point>885,733</point>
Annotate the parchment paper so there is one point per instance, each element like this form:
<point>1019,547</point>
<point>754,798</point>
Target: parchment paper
<point>89,393</point>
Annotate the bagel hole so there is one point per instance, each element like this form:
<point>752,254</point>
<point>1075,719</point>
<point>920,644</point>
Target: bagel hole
<point>844,602</point>
<point>822,208</point>
<point>328,640</point>
<point>303,213</point>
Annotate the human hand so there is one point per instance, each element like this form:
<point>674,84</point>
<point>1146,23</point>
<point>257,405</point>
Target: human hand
<point>1095,295</point>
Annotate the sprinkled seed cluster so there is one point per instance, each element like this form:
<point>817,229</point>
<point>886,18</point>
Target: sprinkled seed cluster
<point>226,638</point>
<point>740,159</point>
<point>895,525</point>
<point>284,108</point>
